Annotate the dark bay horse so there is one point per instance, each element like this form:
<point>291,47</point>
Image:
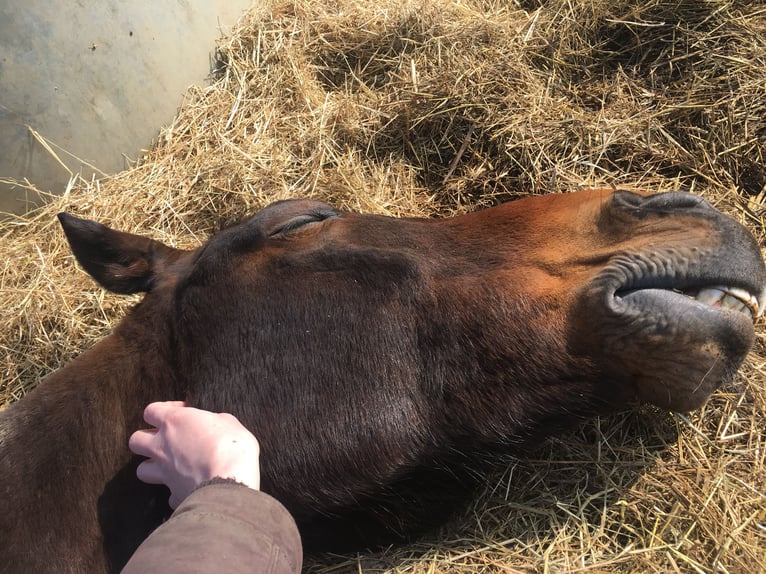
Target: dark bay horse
<point>382,363</point>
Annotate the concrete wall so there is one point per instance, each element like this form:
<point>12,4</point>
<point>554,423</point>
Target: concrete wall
<point>96,79</point>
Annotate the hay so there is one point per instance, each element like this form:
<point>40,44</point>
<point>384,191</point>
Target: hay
<point>428,107</point>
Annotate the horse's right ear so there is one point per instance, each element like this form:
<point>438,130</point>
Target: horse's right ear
<point>121,262</point>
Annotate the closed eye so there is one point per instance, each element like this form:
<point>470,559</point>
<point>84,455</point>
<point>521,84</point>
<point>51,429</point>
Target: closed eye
<point>302,220</point>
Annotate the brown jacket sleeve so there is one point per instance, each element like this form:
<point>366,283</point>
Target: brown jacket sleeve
<point>222,527</point>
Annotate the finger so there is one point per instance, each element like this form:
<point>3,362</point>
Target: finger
<point>155,413</point>
<point>143,442</point>
<point>150,472</point>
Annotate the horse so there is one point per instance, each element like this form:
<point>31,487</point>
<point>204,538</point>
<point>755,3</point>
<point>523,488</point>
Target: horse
<point>384,364</point>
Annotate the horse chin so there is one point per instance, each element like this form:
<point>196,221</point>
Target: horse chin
<point>659,345</point>
<point>679,350</point>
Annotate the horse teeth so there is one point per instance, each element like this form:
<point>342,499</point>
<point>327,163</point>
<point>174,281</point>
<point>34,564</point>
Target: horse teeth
<point>710,296</point>
<point>733,303</point>
<point>740,294</point>
<point>733,298</point>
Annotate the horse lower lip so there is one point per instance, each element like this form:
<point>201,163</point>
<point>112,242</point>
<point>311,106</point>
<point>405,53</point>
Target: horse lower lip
<point>714,298</point>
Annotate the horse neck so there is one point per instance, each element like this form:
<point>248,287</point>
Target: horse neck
<point>62,444</point>
<point>103,391</point>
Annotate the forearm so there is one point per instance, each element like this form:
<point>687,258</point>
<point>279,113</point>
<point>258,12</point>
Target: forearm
<point>222,527</point>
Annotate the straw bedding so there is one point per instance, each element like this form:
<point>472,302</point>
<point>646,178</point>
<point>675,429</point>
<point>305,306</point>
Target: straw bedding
<point>435,108</point>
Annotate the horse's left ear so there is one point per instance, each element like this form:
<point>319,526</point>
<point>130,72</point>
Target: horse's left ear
<point>121,262</point>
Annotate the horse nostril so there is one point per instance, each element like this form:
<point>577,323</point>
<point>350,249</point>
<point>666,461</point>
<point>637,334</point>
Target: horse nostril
<point>675,200</point>
<point>669,202</point>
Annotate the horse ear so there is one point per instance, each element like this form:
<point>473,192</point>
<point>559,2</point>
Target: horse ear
<point>121,262</point>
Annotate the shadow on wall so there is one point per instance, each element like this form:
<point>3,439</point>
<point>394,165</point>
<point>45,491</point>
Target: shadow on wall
<point>84,86</point>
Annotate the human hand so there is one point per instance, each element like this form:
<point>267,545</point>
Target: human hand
<point>188,446</point>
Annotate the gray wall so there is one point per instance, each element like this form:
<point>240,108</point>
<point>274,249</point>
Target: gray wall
<point>96,78</point>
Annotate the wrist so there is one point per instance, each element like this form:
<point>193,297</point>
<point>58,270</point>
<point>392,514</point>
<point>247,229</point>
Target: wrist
<point>222,480</point>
